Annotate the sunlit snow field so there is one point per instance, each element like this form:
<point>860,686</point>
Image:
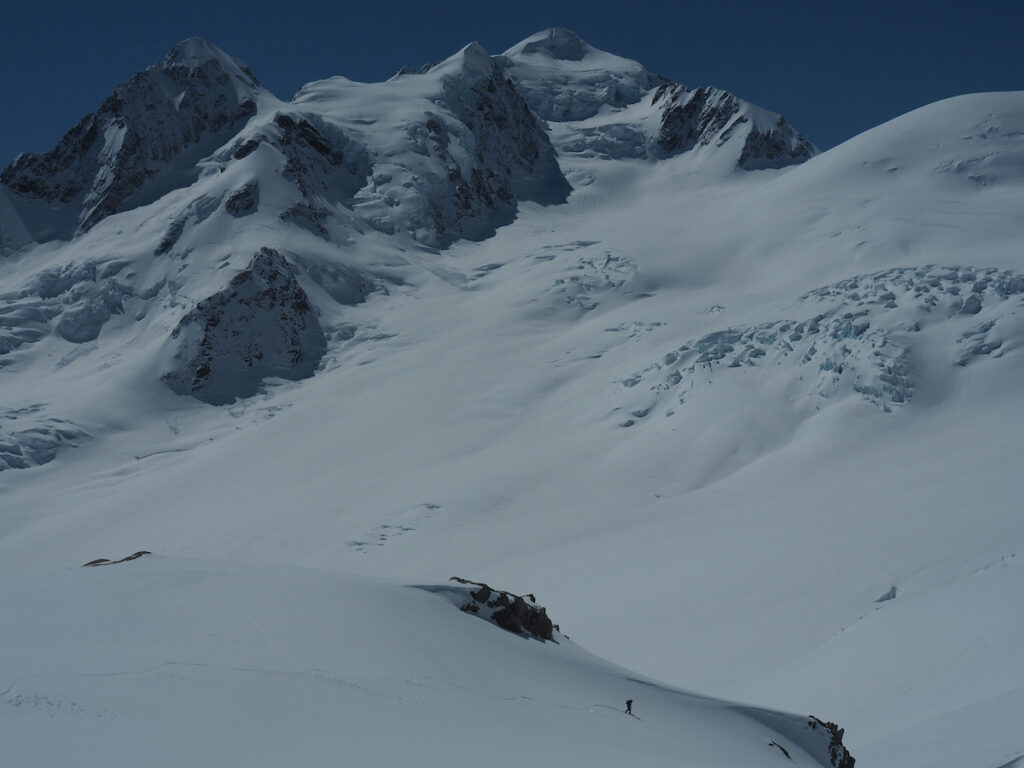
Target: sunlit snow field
<point>548,411</point>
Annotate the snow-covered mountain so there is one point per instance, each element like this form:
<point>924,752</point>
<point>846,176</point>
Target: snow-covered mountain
<point>744,415</point>
<point>143,141</point>
<point>605,106</point>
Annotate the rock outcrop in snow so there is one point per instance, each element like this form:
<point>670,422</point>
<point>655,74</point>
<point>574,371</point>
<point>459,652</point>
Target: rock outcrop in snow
<point>838,755</point>
<point>711,117</point>
<point>516,613</point>
<point>146,137</point>
<point>261,325</point>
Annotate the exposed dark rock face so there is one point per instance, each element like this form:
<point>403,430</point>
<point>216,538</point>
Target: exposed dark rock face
<point>692,118</point>
<point>510,158</point>
<point>261,325</point>
<point>106,561</point>
<point>319,158</point>
<point>194,99</point>
<point>308,217</point>
<point>515,613</point>
<point>243,201</point>
<point>839,755</point>
<point>196,212</point>
<point>708,116</point>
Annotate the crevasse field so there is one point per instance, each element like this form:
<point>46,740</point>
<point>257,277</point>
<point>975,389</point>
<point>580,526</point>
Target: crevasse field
<point>751,430</point>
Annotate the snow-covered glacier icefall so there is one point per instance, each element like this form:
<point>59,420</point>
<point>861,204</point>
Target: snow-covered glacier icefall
<point>864,336</point>
<point>29,437</point>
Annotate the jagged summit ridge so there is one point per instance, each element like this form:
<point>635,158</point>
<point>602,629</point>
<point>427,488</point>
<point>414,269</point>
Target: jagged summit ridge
<point>709,117</point>
<point>612,107</point>
<point>196,53</point>
<point>557,43</point>
<point>447,154</point>
<point>472,60</point>
<point>462,145</point>
<point>186,105</point>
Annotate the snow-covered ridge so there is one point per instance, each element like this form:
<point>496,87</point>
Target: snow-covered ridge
<point>463,143</point>
<point>308,665</point>
<point>611,107</point>
<point>428,367</point>
<point>145,138</point>
<point>563,78</point>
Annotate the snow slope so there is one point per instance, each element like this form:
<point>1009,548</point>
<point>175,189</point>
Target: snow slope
<point>752,432</point>
<point>169,660</point>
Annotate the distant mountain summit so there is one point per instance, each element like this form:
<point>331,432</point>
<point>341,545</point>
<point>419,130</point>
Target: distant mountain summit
<point>215,168</point>
<point>564,78</point>
<point>612,107</point>
<point>145,138</point>
<point>440,155</point>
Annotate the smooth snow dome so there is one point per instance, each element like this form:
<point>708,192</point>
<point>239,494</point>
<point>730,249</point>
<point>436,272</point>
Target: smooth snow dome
<point>563,78</point>
<point>749,430</point>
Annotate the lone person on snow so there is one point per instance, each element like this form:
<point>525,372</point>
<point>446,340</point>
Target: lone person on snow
<point>629,706</point>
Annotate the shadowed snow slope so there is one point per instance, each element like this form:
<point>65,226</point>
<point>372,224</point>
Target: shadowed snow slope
<point>171,661</point>
<point>710,415</point>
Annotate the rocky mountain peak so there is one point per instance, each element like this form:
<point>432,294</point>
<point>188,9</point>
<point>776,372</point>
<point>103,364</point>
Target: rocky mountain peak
<point>189,103</point>
<point>557,43</point>
<point>612,107</point>
<point>565,79</point>
<point>199,59</point>
<point>195,52</point>
<point>473,60</point>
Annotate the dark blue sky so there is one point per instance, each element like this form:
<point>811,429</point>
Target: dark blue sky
<point>833,67</point>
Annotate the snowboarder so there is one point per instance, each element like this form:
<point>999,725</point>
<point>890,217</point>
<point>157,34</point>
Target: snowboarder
<point>629,706</point>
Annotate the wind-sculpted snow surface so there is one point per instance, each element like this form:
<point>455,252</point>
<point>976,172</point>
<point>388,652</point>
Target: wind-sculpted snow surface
<point>195,98</point>
<point>860,336</point>
<point>261,325</point>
